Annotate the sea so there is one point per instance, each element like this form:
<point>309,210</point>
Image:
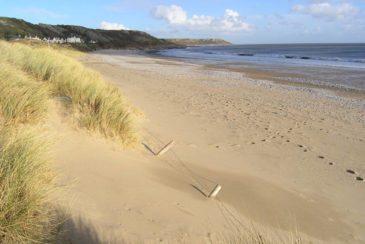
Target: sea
<point>334,65</point>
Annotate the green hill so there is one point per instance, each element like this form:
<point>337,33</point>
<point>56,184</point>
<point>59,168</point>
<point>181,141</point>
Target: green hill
<point>12,28</point>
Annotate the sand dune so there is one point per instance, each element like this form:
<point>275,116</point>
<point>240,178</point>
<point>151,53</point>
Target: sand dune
<point>288,158</point>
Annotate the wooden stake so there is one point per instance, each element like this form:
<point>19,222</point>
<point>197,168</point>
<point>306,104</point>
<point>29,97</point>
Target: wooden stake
<point>165,148</point>
<point>215,191</point>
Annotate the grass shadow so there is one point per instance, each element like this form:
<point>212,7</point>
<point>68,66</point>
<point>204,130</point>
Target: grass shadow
<point>78,230</point>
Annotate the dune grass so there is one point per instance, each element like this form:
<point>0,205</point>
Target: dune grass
<point>26,179</point>
<point>66,49</point>
<point>98,106</point>
<point>22,100</point>
<point>26,182</point>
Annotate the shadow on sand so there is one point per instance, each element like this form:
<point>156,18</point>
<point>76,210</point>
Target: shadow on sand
<point>80,231</point>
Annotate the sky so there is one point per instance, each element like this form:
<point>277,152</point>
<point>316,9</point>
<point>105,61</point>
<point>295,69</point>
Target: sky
<point>238,21</point>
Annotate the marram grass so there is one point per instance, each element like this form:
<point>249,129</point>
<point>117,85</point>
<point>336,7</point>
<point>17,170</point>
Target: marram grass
<point>99,106</point>
<point>26,183</point>
<point>22,100</point>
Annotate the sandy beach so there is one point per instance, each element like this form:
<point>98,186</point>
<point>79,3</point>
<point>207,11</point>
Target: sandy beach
<point>290,159</point>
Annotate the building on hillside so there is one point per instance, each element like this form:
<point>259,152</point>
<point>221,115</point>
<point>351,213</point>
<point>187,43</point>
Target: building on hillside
<point>57,40</point>
<point>74,39</point>
<point>30,37</point>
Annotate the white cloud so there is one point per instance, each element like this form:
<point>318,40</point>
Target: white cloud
<point>232,13</point>
<point>174,14</point>
<point>112,26</point>
<point>341,11</point>
<point>232,21</point>
<point>177,16</point>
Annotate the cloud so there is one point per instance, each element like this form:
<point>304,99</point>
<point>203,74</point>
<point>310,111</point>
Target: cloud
<point>341,11</point>
<point>177,16</point>
<point>232,21</point>
<point>174,14</point>
<point>112,26</point>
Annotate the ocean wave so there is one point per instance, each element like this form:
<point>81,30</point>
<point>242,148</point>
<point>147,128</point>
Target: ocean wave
<point>296,57</point>
<point>283,56</point>
<point>332,59</point>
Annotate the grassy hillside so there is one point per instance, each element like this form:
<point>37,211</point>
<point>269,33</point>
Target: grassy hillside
<point>10,28</point>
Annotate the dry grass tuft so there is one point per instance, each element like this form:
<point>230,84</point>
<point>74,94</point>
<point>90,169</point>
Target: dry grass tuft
<point>26,182</point>
<point>22,100</point>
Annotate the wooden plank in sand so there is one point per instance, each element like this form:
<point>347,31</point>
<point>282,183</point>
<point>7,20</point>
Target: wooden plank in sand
<point>165,148</point>
<point>215,191</point>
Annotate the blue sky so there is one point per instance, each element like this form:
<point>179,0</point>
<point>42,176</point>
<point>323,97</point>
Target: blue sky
<point>239,21</point>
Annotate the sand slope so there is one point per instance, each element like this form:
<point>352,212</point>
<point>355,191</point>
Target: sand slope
<point>280,153</point>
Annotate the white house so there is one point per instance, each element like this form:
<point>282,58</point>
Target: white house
<point>74,39</point>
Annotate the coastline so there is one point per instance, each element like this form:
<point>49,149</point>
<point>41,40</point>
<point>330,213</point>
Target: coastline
<point>346,73</point>
<point>280,152</point>
<point>253,72</point>
<point>289,79</point>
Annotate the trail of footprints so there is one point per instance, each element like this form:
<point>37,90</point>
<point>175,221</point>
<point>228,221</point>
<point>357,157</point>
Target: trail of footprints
<point>349,171</point>
<point>277,135</point>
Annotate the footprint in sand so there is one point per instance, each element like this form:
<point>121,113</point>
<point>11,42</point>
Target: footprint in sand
<point>350,171</point>
<point>353,172</point>
<point>331,163</point>
<point>287,140</point>
<point>300,145</point>
<point>358,178</point>
<point>321,157</point>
